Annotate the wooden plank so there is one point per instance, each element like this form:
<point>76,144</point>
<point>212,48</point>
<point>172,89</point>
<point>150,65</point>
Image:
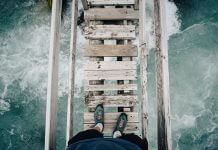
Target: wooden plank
<point>96,42</point>
<point>111,50</point>
<point>52,90</point>
<point>111,2</point>
<point>112,101</point>
<point>143,67</point>
<point>136,4</point>
<point>110,87</point>
<point>70,104</point>
<point>111,75</point>
<point>162,77</point>
<point>125,22</point>
<point>111,14</point>
<point>110,32</point>
<point>109,42</point>
<point>133,117</point>
<point>112,65</point>
<point>109,128</point>
<point>85,4</point>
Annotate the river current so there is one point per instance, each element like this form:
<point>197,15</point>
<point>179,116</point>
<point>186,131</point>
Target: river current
<point>192,27</point>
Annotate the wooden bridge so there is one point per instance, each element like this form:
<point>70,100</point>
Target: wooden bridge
<point>116,33</point>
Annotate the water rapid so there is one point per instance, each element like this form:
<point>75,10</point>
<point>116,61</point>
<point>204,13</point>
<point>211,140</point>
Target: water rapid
<point>192,27</point>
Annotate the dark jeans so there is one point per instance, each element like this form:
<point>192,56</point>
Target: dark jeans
<point>89,134</point>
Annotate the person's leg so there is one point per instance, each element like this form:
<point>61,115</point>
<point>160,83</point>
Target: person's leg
<point>118,133</point>
<point>97,130</point>
<point>88,134</point>
<point>142,143</point>
<point>120,126</point>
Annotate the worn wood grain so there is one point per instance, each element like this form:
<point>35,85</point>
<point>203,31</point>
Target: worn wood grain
<point>133,117</point>
<point>96,42</point>
<point>126,22</point>
<point>109,128</point>
<point>112,101</point>
<point>111,2</point>
<point>111,75</point>
<point>71,82</point>
<point>110,87</point>
<point>101,70</point>
<point>143,67</point>
<point>85,4</point>
<point>136,6</point>
<point>162,77</point>
<point>110,32</point>
<point>111,14</point>
<point>111,50</point>
<point>110,65</point>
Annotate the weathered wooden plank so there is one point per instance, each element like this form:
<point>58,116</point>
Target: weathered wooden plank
<point>110,2</point>
<point>110,87</point>
<point>143,67</point>
<point>112,101</point>
<point>125,22</point>
<point>162,77</point>
<point>111,14</point>
<point>110,32</point>
<point>109,128</point>
<point>136,4</point>
<point>133,117</point>
<point>85,4</point>
<point>96,42</point>
<point>112,65</point>
<point>111,75</point>
<point>70,104</point>
<point>111,50</point>
<point>52,90</point>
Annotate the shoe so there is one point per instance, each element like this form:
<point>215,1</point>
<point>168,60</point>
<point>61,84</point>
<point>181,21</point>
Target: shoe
<point>99,114</point>
<point>121,123</point>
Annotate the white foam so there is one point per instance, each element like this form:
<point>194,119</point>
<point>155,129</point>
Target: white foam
<point>26,48</point>
<point>4,106</point>
<point>186,121</point>
<point>173,22</point>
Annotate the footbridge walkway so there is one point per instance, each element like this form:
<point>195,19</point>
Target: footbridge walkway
<point>116,72</point>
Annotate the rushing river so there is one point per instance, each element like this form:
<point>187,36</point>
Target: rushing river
<point>193,62</point>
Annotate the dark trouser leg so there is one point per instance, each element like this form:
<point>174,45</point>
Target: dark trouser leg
<point>88,134</point>
<point>142,143</point>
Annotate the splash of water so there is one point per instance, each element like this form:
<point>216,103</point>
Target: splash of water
<point>24,44</point>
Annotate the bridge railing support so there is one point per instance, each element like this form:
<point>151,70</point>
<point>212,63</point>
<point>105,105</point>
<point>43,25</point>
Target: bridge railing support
<point>162,77</point>
<point>136,6</point>
<point>52,89</point>
<point>85,4</point>
<point>70,105</point>
<point>143,66</point>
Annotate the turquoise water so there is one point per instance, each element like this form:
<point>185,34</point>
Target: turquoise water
<point>193,58</point>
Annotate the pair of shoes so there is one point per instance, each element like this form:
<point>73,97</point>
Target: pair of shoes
<point>99,118</point>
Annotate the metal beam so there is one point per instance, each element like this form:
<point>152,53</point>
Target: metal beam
<point>52,91</point>
<point>162,77</point>
<point>70,105</point>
